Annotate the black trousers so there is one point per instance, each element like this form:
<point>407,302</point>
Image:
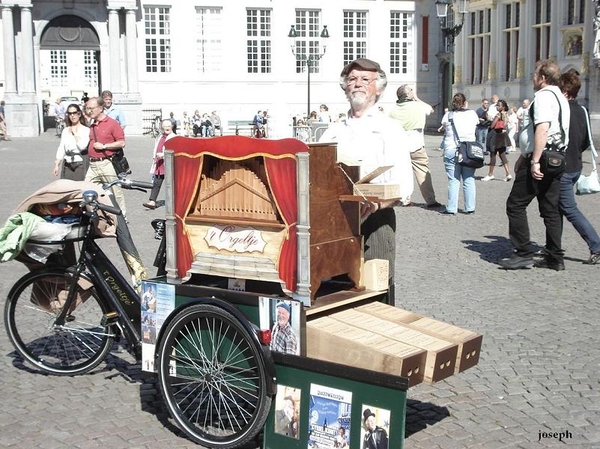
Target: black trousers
<point>524,190</point>
<point>156,185</point>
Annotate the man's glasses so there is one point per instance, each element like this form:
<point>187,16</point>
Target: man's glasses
<point>92,108</point>
<point>72,112</point>
<point>365,81</point>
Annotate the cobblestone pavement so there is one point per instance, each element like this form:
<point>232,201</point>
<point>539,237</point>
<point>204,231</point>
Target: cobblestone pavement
<point>539,368</point>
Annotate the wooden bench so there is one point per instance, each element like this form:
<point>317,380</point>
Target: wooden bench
<point>239,128</point>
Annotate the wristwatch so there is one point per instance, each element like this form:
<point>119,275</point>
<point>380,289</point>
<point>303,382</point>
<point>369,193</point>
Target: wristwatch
<point>534,162</point>
<point>103,147</point>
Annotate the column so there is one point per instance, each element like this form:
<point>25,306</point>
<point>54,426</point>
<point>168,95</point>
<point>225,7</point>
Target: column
<point>524,42</point>
<point>27,42</point>
<point>132,60</point>
<point>114,50</point>
<point>8,35</point>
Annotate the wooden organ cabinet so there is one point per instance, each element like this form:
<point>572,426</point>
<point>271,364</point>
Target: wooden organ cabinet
<point>261,210</point>
<point>281,214</point>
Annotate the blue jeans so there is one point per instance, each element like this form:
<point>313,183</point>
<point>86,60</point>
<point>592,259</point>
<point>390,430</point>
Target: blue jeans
<point>568,208</point>
<point>455,172</point>
<point>481,134</point>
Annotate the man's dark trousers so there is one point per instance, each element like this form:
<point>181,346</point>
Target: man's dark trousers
<point>524,190</point>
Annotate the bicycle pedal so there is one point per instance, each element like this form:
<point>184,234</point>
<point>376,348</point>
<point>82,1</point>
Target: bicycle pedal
<point>109,318</point>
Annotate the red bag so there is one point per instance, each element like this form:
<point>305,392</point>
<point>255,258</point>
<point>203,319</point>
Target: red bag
<point>499,125</point>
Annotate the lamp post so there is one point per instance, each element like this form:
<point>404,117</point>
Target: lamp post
<point>308,59</point>
<point>450,33</point>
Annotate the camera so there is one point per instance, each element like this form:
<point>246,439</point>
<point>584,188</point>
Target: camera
<point>555,143</point>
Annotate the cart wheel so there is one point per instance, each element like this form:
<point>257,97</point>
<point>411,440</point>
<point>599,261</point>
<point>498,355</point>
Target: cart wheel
<point>29,314</point>
<point>213,378</point>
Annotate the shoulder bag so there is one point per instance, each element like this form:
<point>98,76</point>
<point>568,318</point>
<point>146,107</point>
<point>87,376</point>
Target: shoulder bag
<point>552,161</point>
<point>591,183</point>
<point>468,154</point>
<point>118,159</point>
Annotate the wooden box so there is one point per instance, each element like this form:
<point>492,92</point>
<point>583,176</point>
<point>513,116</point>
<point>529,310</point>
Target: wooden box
<point>336,341</point>
<point>375,275</point>
<point>469,342</point>
<point>441,354</point>
<point>381,191</point>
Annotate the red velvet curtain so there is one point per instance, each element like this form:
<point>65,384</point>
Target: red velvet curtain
<point>282,179</point>
<point>187,179</point>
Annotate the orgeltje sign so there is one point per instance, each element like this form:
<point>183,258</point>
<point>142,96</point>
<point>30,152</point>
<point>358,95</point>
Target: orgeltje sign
<point>241,239</point>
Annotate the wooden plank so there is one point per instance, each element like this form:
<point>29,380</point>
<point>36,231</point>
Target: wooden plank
<point>441,354</point>
<point>335,341</point>
<point>469,342</point>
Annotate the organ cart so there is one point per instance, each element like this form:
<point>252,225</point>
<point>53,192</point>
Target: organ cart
<point>264,248</point>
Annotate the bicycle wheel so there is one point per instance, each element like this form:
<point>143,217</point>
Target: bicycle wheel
<point>32,306</point>
<point>212,376</point>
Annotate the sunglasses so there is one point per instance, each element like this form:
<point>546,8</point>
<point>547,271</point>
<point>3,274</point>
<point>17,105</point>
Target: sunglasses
<point>73,112</point>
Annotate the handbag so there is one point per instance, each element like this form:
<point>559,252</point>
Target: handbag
<point>468,154</point>
<point>552,161</point>
<point>591,183</point>
<point>500,125</point>
<point>120,163</point>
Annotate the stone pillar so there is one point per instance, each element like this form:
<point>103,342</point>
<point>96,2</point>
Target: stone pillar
<point>27,69</point>
<point>114,49</point>
<point>10,73</point>
<point>594,74</point>
<point>132,60</point>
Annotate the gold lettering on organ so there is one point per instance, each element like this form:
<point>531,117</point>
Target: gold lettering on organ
<point>234,238</point>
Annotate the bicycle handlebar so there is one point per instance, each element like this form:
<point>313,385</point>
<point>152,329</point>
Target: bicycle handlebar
<point>90,198</point>
<point>128,183</point>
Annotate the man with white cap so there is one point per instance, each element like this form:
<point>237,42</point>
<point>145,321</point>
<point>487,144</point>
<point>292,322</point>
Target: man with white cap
<point>371,139</point>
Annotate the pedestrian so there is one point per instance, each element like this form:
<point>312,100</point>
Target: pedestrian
<point>187,124</point>
<point>3,129</point>
<point>106,139</point>
<point>550,118</point>
<point>72,149</point>
<point>464,121</point>
<point>512,128</point>
<point>197,123</point>
<point>491,113</point>
<point>483,125</point>
<point>412,114</point>
<point>174,122</point>
<point>324,115</point>
<point>523,118</point>
<point>216,122</point>
<point>111,110</point>
<point>499,142</point>
<point>158,162</point>
<point>258,128</point>
<point>579,141</point>
<point>371,139</point>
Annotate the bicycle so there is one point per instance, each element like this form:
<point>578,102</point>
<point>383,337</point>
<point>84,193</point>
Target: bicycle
<point>215,375</point>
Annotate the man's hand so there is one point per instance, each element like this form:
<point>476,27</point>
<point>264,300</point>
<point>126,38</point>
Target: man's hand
<point>536,172</point>
<point>99,146</point>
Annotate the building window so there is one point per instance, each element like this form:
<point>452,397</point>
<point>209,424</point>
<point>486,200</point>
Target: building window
<point>90,69</point>
<point>308,27</point>
<point>479,46</point>
<point>511,40</point>
<point>541,29</point>
<point>401,42</point>
<point>258,25</point>
<point>157,28</point>
<point>355,35</point>
<point>58,68</point>
<point>575,12</point>
<point>209,46</point>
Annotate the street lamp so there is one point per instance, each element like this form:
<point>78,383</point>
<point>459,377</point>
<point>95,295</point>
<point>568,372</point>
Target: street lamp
<point>308,59</point>
<point>450,33</point>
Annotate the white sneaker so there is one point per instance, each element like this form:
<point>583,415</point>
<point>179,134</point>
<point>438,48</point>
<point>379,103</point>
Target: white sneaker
<point>508,178</point>
<point>487,178</point>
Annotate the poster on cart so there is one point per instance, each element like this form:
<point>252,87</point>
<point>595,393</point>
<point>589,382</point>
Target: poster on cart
<point>157,303</point>
<point>287,409</point>
<point>376,427</point>
<point>282,316</point>
<point>329,417</point>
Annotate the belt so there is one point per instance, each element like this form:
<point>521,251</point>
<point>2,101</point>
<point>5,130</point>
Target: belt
<point>97,159</point>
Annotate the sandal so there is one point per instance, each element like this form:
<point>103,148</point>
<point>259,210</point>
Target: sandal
<point>150,205</point>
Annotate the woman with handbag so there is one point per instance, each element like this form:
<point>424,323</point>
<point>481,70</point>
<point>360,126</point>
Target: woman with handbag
<point>74,141</point>
<point>157,170</point>
<point>580,139</point>
<point>464,121</point>
<point>500,141</point>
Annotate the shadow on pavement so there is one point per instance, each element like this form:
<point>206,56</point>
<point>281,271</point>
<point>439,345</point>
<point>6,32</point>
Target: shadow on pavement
<point>491,251</point>
<point>420,415</point>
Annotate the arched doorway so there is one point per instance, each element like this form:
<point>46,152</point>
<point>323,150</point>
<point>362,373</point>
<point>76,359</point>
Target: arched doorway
<point>69,58</point>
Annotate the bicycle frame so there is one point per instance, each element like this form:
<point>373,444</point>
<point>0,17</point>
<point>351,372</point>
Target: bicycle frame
<point>111,285</point>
